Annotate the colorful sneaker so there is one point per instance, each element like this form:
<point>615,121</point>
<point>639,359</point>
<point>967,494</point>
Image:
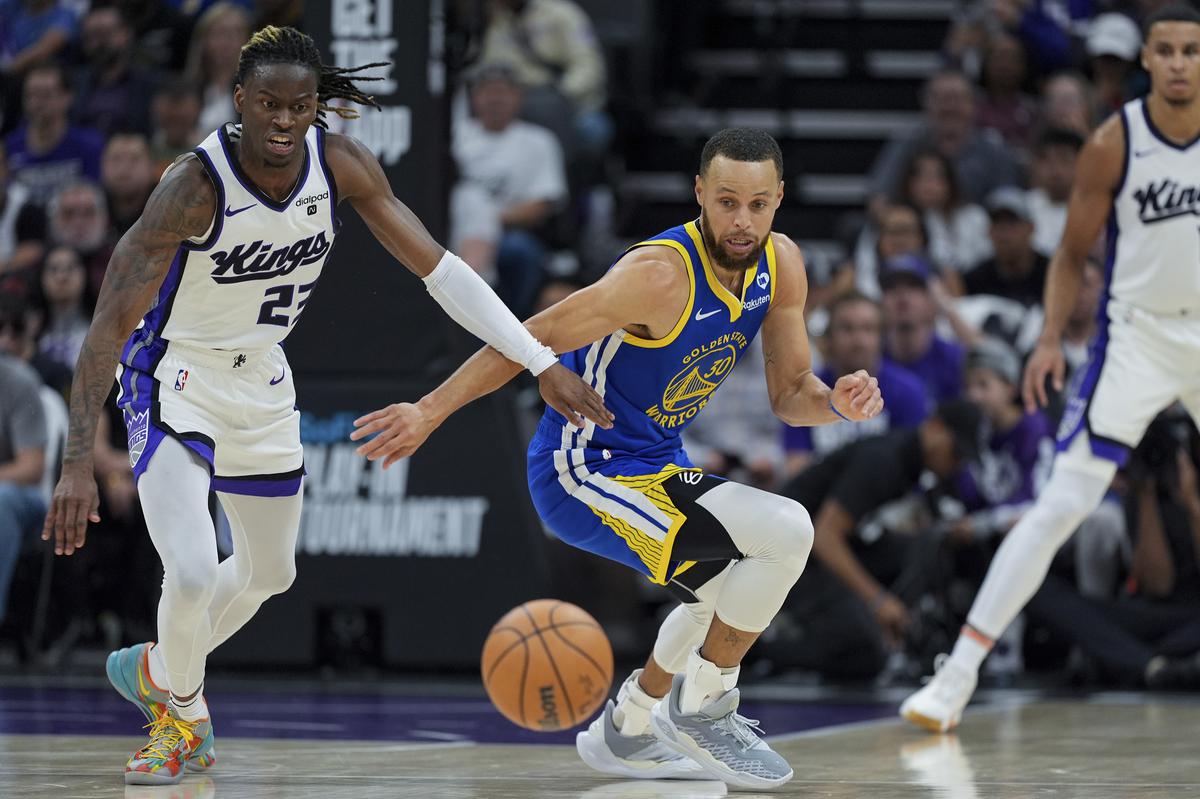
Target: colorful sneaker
<point>641,757</point>
<point>173,742</point>
<point>726,745</point>
<point>129,672</point>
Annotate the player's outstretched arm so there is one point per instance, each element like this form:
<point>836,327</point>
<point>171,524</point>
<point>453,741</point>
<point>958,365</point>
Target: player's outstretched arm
<point>181,207</point>
<point>1096,177</point>
<point>636,290</point>
<point>457,288</point>
<point>798,396</point>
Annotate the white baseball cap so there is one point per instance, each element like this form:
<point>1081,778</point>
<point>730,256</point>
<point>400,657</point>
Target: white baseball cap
<point>1114,35</point>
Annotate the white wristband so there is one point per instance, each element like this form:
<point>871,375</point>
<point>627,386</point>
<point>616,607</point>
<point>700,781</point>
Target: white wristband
<point>468,300</point>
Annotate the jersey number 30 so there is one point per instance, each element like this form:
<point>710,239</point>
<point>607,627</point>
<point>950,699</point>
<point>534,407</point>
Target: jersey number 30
<point>279,300</point>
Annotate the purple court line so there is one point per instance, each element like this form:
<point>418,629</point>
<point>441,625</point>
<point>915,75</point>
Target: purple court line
<point>324,716</point>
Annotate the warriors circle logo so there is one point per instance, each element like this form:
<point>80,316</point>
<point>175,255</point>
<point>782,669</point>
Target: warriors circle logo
<point>703,370</point>
<point>698,379</point>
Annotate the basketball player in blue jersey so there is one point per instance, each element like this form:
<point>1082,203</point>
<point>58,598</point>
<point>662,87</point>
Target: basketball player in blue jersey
<point>213,276</point>
<point>656,337</point>
<point>1140,174</point>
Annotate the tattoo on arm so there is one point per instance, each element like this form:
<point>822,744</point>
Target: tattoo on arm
<point>181,207</point>
<point>769,356</point>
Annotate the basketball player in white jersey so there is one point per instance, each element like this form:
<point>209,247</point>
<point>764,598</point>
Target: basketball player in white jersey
<point>213,277</point>
<point>1139,174</point>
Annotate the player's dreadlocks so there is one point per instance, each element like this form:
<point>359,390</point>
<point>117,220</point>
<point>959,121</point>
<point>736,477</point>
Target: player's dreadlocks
<point>273,45</point>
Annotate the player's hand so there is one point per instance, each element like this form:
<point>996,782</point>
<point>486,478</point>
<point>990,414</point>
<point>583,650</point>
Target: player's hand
<point>75,503</point>
<point>856,396</point>
<point>565,392</point>
<point>1047,359</point>
<point>399,431</point>
<point>893,619</point>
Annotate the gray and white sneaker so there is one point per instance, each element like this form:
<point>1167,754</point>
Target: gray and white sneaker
<point>725,744</point>
<point>642,757</point>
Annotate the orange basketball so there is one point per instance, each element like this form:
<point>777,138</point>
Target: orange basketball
<point>547,665</point>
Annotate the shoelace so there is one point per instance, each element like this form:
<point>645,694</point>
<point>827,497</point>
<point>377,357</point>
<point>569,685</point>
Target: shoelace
<point>166,732</point>
<point>744,730</point>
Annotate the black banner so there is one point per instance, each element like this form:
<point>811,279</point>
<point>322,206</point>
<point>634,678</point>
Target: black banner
<point>370,314</point>
<point>412,564</point>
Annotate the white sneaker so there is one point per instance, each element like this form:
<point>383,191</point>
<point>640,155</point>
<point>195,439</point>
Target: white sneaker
<point>641,757</point>
<point>939,705</point>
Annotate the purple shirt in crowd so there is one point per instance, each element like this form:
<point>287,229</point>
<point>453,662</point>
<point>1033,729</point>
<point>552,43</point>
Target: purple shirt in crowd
<point>905,405</point>
<point>1009,470</point>
<point>76,156</point>
<point>940,368</point>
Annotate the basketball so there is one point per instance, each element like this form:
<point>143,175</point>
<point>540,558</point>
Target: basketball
<point>547,665</point>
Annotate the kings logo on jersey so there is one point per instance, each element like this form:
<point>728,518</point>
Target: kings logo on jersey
<point>235,266</point>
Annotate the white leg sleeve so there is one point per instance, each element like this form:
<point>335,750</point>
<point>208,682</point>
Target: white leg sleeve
<point>468,300</point>
<point>263,562</point>
<point>1075,488</point>
<point>774,535</point>
<point>174,497</point>
<point>685,627</point>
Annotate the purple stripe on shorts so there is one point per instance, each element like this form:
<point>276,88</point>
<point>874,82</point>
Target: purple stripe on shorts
<point>258,488</point>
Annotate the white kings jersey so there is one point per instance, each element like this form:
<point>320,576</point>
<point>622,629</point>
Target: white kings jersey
<point>1153,259</point>
<point>243,285</point>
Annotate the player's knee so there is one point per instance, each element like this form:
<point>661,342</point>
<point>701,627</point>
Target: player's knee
<point>192,584</point>
<point>794,535</point>
<point>279,579</point>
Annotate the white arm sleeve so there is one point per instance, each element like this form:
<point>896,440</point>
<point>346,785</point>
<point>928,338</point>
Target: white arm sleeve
<point>469,301</point>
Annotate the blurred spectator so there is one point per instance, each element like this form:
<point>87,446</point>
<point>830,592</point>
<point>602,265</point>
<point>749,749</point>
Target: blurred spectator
<point>1082,323</point>
<point>129,176</point>
<point>852,604</point>
<point>853,341</point>
<point>1149,634</point>
<point>32,32</point>
<point>64,286</point>
<point>112,93</point>
<point>981,162</point>
<point>176,112</point>
<point>957,230</point>
<point>20,329</point>
<point>281,13</point>
<point>1004,107</point>
<point>1067,103</point>
<point>213,58</point>
<point>45,153</point>
<point>1114,43</point>
<point>22,224</point>
<point>22,454</point>
<point>1016,271</point>
<point>79,220</point>
<point>552,48</point>
<point>910,340</point>
<point>901,231</point>
<point>194,8</point>
<point>998,487</point>
<point>519,168</point>
<point>162,32</point>
<point>1044,26</point>
<point>737,436</point>
<point>1051,180</point>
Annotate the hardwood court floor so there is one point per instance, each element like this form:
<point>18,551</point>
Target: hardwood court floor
<point>1113,747</point>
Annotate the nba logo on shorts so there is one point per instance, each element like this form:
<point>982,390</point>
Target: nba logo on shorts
<point>181,379</point>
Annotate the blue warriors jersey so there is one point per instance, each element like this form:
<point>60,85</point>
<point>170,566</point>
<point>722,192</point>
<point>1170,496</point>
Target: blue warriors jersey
<point>655,388</point>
